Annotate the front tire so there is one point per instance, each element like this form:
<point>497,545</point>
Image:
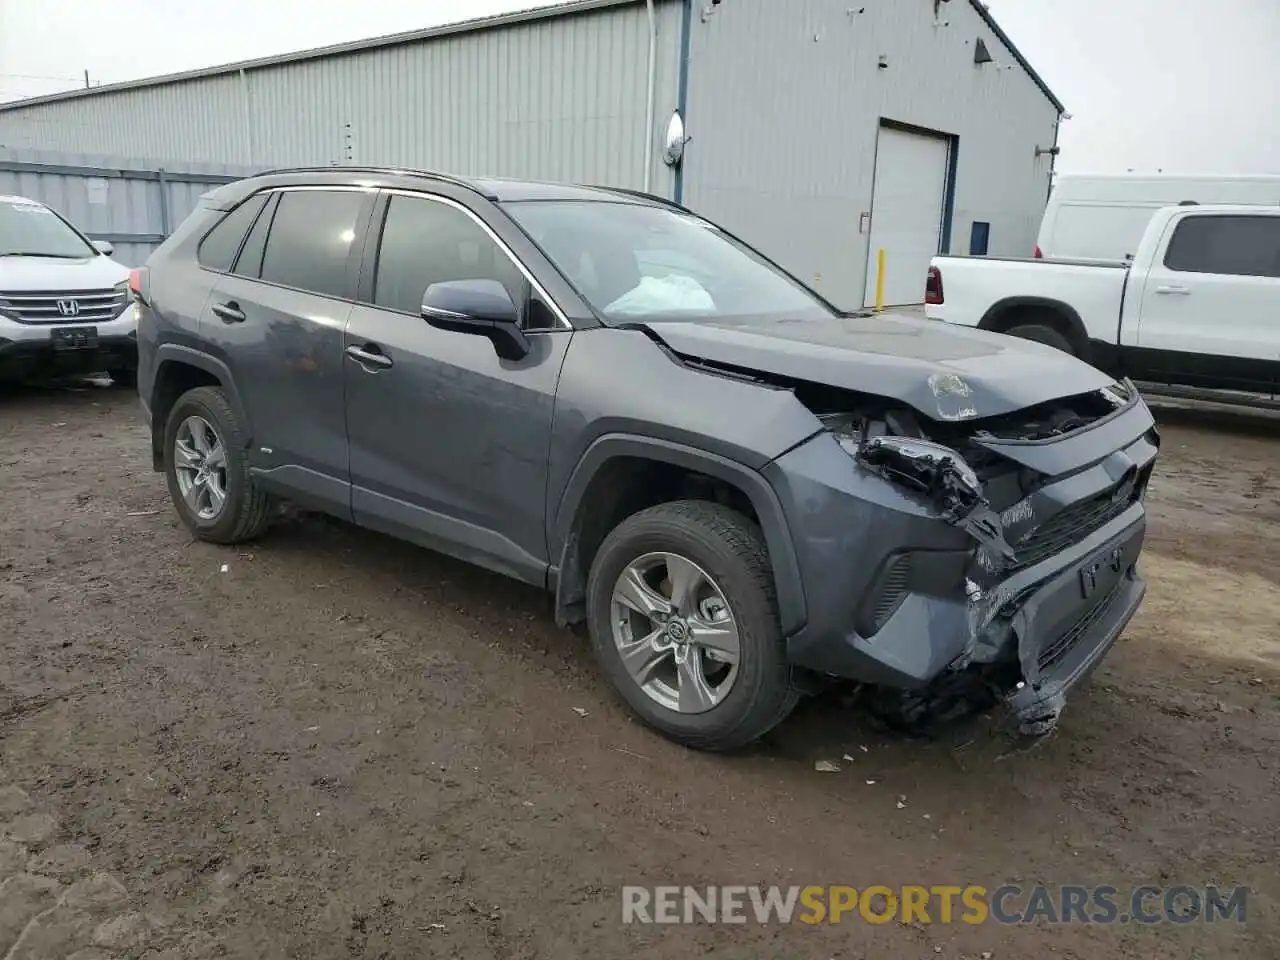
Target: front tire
<point>207,469</point>
<point>684,621</point>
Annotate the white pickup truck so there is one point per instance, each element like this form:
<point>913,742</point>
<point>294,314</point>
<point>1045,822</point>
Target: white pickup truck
<point>1198,305</point>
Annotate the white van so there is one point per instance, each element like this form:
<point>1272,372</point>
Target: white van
<point>65,305</point>
<point>1101,217</point>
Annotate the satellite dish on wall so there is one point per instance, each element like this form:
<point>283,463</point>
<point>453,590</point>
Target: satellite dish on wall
<point>673,150</point>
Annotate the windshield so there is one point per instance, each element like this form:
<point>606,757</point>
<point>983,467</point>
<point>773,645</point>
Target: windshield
<point>633,262</point>
<point>31,230</point>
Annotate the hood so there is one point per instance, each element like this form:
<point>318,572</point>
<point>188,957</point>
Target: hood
<point>43,274</point>
<point>944,372</point>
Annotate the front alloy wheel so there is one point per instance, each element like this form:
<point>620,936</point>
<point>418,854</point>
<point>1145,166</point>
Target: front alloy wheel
<point>675,632</point>
<point>200,466</point>
<point>684,621</point>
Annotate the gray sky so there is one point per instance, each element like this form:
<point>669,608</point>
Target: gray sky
<point>1190,86</point>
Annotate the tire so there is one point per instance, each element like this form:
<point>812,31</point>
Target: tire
<point>728,551</point>
<point>124,377</point>
<point>1042,334</point>
<point>246,510</point>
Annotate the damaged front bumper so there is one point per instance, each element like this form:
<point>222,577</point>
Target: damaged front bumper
<point>908,592</point>
<point>1059,629</point>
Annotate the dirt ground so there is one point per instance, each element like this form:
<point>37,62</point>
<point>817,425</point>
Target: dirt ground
<point>336,745</point>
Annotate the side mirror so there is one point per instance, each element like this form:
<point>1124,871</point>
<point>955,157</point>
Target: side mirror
<point>480,307</point>
<point>104,247</point>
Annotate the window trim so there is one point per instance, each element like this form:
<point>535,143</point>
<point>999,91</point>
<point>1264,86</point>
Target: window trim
<point>377,231</point>
<point>1182,221</point>
<point>267,213</point>
<point>235,254</point>
<point>357,243</point>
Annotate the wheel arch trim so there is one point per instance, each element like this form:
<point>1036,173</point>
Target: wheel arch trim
<point>785,565</point>
<point>1075,326</point>
<point>191,357</point>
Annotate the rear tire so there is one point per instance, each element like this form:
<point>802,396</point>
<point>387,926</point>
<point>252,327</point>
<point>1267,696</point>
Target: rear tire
<point>724,554</point>
<point>1042,334</point>
<point>240,510</point>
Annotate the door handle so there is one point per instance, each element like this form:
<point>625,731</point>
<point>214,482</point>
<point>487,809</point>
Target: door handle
<point>1178,291</point>
<point>229,312</point>
<point>369,354</point>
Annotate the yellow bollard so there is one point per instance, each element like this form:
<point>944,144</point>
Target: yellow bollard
<point>880,280</point>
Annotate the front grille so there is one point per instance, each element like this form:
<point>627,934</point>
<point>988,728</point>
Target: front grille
<point>1059,648</point>
<point>77,306</point>
<point>1069,526</point>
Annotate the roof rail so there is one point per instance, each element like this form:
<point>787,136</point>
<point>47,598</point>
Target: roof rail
<point>665,201</point>
<point>370,168</point>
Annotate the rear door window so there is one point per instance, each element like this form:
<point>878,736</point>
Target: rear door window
<point>218,249</point>
<point>310,240</point>
<point>1241,246</point>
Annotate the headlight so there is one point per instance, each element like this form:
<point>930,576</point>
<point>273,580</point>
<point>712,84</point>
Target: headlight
<point>925,466</point>
<point>1120,393</point>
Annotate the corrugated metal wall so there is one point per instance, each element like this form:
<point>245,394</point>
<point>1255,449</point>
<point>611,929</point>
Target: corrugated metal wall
<point>785,104</point>
<point>785,156</point>
<point>560,98</point>
<point>130,201</point>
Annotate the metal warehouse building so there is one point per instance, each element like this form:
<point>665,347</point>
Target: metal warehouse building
<point>819,130</point>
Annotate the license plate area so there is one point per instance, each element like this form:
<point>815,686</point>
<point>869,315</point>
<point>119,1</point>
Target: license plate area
<point>1063,610</point>
<point>1101,572</point>
<point>74,338</point>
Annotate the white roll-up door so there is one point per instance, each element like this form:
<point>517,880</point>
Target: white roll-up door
<point>906,212</point>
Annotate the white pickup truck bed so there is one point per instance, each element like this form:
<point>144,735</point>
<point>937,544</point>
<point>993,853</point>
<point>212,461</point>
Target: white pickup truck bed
<point>975,292</point>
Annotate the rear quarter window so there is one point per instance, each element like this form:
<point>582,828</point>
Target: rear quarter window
<point>218,249</point>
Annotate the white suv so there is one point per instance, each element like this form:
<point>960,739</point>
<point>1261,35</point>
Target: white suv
<point>65,305</point>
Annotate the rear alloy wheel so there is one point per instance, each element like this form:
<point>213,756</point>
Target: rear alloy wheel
<point>684,621</point>
<point>207,468</point>
<point>200,463</point>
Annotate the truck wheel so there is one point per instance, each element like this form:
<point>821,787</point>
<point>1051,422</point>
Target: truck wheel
<point>207,470</point>
<point>684,620</point>
<point>1042,334</point>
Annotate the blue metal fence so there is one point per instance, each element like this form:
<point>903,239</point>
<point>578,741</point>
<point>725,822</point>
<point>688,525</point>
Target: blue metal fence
<point>130,202</point>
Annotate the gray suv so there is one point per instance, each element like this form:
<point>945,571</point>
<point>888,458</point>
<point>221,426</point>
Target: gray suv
<point>742,491</point>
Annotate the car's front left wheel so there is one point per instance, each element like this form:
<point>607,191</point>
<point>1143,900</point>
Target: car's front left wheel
<point>684,620</point>
<point>207,469</point>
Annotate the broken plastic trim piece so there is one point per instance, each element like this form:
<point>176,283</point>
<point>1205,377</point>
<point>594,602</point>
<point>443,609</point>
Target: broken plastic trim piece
<point>942,475</point>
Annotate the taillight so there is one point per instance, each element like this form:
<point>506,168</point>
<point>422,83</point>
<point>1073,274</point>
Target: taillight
<point>139,282</point>
<point>933,286</point>
<point>1038,255</point>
